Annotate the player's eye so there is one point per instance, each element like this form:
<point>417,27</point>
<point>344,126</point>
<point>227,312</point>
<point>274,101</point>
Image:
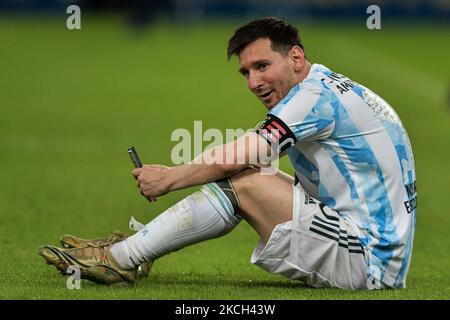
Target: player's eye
<point>244,73</point>
<point>262,66</point>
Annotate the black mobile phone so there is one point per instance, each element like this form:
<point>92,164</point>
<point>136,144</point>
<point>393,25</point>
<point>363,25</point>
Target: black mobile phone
<point>134,157</point>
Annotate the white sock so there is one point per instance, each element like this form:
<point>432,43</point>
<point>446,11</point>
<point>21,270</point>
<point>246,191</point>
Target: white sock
<point>120,253</point>
<point>204,215</point>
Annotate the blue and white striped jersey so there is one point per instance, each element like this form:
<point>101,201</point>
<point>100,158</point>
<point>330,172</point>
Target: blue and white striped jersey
<point>352,153</point>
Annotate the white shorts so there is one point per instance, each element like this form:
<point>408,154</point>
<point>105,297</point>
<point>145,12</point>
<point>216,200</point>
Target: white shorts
<point>317,247</point>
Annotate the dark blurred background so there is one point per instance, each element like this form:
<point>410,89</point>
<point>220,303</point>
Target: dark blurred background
<point>144,11</point>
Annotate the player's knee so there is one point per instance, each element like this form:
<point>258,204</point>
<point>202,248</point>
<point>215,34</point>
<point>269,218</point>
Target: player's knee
<point>244,180</point>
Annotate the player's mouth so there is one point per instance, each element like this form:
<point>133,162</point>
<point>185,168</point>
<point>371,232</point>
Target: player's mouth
<point>265,96</point>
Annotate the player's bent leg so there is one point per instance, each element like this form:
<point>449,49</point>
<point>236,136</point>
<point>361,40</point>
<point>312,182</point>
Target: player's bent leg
<point>206,214</point>
<point>264,200</point>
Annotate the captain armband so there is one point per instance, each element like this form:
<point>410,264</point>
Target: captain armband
<point>276,133</point>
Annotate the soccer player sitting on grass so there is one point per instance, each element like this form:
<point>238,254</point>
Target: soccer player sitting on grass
<point>347,218</point>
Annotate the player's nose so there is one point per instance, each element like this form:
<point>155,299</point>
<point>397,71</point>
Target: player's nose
<point>254,82</point>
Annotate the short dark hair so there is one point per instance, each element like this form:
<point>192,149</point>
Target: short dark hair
<point>282,35</point>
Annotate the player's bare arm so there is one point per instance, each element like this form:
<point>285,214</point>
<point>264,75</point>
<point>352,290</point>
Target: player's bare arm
<point>213,164</point>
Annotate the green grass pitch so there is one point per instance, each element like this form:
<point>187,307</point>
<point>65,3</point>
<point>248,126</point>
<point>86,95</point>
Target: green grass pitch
<point>71,102</point>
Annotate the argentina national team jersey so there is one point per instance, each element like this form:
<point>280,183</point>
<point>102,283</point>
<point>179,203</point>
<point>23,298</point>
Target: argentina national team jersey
<point>350,151</point>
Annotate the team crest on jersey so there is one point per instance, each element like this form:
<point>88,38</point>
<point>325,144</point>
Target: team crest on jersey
<point>380,108</point>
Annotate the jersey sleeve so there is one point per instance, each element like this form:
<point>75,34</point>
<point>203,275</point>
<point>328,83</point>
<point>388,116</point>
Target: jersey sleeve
<point>305,114</point>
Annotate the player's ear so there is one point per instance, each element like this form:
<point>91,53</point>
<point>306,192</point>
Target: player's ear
<point>297,57</point>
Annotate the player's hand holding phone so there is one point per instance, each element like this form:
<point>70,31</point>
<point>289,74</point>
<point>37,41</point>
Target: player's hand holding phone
<point>150,178</point>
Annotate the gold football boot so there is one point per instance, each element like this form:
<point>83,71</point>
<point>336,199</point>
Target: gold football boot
<point>95,263</point>
<point>68,241</point>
